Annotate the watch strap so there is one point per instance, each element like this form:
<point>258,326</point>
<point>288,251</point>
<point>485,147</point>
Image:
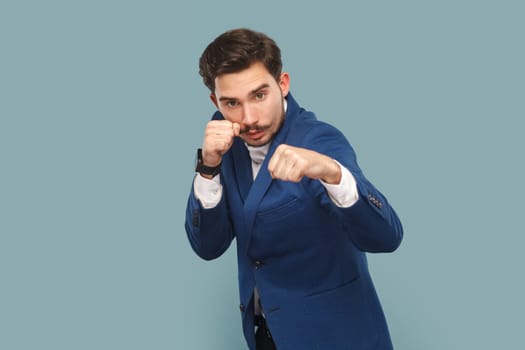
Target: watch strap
<point>204,169</point>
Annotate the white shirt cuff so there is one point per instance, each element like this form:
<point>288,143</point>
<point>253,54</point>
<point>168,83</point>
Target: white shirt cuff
<point>208,191</point>
<point>345,193</point>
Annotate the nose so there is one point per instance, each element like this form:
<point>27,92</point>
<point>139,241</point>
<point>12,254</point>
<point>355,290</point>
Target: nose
<point>249,117</point>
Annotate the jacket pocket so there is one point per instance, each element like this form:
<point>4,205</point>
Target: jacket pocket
<point>281,211</point>
<point>338,316</point>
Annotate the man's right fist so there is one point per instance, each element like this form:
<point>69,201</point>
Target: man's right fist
<point>218,139</point>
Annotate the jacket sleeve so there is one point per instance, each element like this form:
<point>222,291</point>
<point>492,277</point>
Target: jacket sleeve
<point>371,222</point>
<point>209,230</point>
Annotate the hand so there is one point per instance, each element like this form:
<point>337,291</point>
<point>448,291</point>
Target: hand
<point>218,139</point>
<point>293,163</point>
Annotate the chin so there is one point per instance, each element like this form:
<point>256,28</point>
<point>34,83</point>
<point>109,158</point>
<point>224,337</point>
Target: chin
<point>257,143</point>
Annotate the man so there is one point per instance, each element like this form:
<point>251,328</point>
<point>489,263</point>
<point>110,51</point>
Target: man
<point>288,188</point>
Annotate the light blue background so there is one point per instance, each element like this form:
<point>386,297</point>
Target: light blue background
<point>102,108</point>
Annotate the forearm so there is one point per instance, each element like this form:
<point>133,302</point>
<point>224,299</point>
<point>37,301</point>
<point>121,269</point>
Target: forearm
<point>209,230</point>
<point>370,221</point>
<point>375,226</point>
<point>208,191</point>
<point>344,193</point>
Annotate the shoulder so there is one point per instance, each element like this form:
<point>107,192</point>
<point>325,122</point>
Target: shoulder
<point>307,129</point>
<point>217,116</point>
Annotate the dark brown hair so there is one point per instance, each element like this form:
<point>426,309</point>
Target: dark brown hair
<point>236,50</point>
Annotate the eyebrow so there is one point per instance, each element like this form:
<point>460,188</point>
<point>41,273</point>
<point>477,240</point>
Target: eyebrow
<point>253,92</point>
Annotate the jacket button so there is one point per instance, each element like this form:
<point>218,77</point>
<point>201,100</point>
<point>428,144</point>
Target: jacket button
<point>241,307</point>
<point>375,201</point>
<point>195,219</point>
<point>258,264</point>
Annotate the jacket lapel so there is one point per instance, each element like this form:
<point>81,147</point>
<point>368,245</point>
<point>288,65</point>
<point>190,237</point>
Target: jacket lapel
<point>264,180</point>
<point>243,168</point>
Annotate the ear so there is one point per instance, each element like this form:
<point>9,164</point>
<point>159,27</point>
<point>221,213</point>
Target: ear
<point>284,83</point>
<point>213,99</point>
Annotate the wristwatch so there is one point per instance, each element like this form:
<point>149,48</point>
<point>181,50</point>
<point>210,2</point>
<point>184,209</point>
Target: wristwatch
<point>203,169</point>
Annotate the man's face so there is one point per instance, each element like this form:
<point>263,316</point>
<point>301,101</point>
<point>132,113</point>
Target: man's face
<point>253,99</point>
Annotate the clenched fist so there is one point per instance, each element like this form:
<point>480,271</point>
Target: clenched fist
<point>293,163</point>
<point>218,139</point>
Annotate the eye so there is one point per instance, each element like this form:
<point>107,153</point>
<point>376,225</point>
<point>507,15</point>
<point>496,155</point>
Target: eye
<point>231,103</point>
<point>260,96</point>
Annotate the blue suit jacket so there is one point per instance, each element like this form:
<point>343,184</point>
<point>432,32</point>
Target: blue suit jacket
<point>305,255</point>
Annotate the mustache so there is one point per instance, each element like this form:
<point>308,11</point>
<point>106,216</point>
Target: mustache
<point>254,128</point>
